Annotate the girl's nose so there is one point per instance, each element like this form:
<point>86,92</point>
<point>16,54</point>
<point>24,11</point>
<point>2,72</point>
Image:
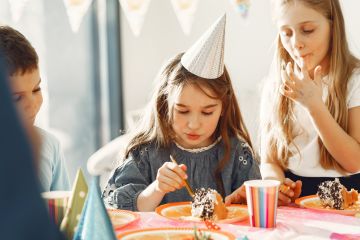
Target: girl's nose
<point>194,123</point>
<point>297,42</point>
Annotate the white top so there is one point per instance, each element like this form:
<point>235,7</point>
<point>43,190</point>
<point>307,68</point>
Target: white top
<point>309,165</point>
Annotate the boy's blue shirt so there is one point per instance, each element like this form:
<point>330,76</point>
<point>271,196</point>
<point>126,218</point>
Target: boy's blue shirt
<point>141,167</point>
<point>52,171</point>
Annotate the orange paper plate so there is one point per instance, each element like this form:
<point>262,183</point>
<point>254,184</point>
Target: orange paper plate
<point>177,210</point>
<point>313,202</point>
<point>120,218</point>
<point>171,234</point>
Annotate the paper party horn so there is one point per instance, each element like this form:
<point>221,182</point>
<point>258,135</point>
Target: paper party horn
<point>75,206</point>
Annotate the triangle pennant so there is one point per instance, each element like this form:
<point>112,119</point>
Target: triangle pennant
<point>76,10</point>
<point>241,8</point>
<point>185,11</point>
<point>135,11</point>
<point>75,206</point>
<point>17,8</point>
<point>95,220</point>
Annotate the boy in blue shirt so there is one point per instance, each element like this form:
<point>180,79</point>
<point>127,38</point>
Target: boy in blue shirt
<point>22,70</point>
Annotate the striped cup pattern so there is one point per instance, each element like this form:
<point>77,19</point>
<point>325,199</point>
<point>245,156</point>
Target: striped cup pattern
<point>262,203</point>
<point>56,203</point>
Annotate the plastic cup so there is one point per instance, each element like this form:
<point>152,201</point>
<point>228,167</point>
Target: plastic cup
<point>262,198</point>
<point>56,204</point>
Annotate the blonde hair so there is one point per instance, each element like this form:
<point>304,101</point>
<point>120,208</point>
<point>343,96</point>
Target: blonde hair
<point>156,123</point>
<point>342,65</point>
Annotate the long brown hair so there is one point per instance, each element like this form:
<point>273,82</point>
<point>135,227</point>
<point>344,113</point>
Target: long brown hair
<point>156,123</point>
<point>342,65</point>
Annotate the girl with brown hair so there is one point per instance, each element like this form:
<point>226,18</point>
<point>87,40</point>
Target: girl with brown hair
<point>194,116</point>
<point>310,111</point>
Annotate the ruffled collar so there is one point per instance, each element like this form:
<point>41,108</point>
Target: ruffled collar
<point>198,150</point>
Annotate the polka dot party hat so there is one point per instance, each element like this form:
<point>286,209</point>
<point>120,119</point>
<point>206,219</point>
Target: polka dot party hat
<point>206,57</point>
<point>75,206</point>
<point>95,221</point>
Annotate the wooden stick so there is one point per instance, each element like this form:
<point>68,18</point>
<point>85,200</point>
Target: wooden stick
<point>187,184</point>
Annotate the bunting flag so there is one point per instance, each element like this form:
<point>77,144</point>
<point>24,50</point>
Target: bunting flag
<point>76,10</point>
<point>17,8</point>
<point>241,8</point>
<point>75,206</point>
<point>95,221</point>
<point>185,11</point>
<point>135,11</point>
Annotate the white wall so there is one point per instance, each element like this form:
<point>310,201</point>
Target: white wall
<point>248,48</point>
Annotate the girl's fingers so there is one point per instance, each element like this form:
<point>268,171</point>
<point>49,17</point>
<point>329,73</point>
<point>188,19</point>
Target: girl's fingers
<point>231,199</point>
<point>297,189</point>
<point>287,81</point>
<point>177,169</point>
<point>238,196</point>
<point>165,179</point>
<point>281,203</point>
<point>289,182</point>
<point>183,167</point>
<point>287,93</point>
<point>290,73</point>
<point>304,69</point>
<point>284,198</point>
<point>167,170</point>
<point>235,197</point>
<point>317,76</point>
<point>167,188</point>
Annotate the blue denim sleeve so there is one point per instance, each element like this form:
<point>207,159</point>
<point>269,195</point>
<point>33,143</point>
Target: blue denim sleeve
<point>248,167</point>
<point>128,181</point>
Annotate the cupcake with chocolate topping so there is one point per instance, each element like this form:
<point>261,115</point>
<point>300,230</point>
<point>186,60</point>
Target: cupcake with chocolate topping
<point>334,195</point>
<point>208,205</point>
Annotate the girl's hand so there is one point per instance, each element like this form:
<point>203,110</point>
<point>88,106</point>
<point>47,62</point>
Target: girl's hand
<point>238,196</point>
<point>292,194</point>
<point>304,91</point>
<point>170,177</point>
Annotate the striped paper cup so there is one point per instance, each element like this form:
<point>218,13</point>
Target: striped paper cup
<point>262,197</point>
<point>56,203</point>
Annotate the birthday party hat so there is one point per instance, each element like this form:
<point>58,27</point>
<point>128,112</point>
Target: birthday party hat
<point>95,221</point>
<point>206,57</point>
<point>75,206</point>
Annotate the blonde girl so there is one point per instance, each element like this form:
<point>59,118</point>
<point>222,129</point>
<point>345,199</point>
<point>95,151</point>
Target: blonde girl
<point>310,111</point>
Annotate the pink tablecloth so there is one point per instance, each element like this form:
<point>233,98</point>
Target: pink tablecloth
<point>292,223</point>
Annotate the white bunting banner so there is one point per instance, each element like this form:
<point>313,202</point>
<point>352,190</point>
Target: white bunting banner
<point>135,11</point>
<point>76,10</point>
<point>17,8</point>
<point>241,8</point>
<point>185,11</point>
